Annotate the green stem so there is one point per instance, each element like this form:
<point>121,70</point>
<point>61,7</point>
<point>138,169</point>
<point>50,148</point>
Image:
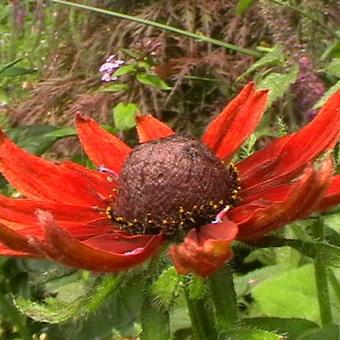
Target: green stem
<point>199,37</point>
<point>200,323</point>
<point>321,278</point>
<point>308,16</point>
<point>222,291</point>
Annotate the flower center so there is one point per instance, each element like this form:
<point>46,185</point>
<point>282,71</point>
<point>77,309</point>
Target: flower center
<point>171,184</point>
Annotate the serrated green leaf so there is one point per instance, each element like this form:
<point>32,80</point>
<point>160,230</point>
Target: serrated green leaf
<point>275,56</point>
<point>334,67</point>
<point>242,6</point>
<point>254,334</point>
<point>164,289</point>
<point>127,69</point>
<point>124,116</point>
<point>327,94</point>
<point>292,328</point>
<point>278,83</point>
<point>152,80</point>
<point>54,311</point>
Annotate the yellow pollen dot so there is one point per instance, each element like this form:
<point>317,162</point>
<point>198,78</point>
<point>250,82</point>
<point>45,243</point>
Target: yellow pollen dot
<point>181,210</point>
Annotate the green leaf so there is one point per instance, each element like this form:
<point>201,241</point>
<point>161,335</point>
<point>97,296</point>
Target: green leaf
<point>152,80</point>
<point>292,328</point>
<point>38,139</point>
<point>327,94</point>
<point>164,289</point>
<point>124,115</point>
<point>290,295</point>
<point>242,6</point>
<point>55,311</point>
<point>10,64</point>
<point>155,322</point>
<point>62,133</point>
<point>244,283</point>
<point>254,334</point>
<point>127,69</point>
<point>334,67</point>
<point>278,83</point>
<point>275,56</point>
<point>117,87</point>
<point>331,332</point>
<point>15,71</point>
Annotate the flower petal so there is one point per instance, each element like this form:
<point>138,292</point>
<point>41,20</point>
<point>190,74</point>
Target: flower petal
<point>17,242</point>
<point>103,148</point>
<point>229,129</point>
<point>37,178</point>
<point>96,254</point>
<point>205,250</point>
<point>287,156</point>
<point>150,128</point>
<point>332,196</point>
<point>6,251</point>
<point>303,197</point>
<point>81,222</point>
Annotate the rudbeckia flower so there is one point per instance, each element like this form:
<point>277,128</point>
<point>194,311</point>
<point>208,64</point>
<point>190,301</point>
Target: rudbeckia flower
<point>170,188</point>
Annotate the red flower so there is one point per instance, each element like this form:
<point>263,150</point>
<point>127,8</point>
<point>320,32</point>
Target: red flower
<point>168,188</point>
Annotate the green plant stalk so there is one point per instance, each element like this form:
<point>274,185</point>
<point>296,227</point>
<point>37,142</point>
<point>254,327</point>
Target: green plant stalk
<point>200,321</point>
<point>321,278</point>
<point>199,37</point>
<point>308,16</point>
<point>222,291</point>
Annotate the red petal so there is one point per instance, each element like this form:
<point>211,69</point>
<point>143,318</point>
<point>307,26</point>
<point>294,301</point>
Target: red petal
<point>205,250</point>
<point>37,178</point>
<point>6,251</point>
<point>229,129</point>
<point>332,196</point>
<point>17,242</point>
<point>96,254</point>
<point>259,217</point>
<point>287,156</point>
<point>102,147</point>
<point>150,128</point>
<point>19,215</point>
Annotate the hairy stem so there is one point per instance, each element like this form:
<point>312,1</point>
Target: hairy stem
<point>222,291</point>
<point>200,320</point>
<point>321,278</point>
<point>199,37</point>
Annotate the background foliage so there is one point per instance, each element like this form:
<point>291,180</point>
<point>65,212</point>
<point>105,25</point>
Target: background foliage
<point>50,55</point>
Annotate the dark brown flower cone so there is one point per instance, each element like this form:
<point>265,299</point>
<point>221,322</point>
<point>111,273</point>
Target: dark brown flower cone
<point>169,182</point>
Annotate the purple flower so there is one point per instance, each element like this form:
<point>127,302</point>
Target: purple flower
<point>109,67</point>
